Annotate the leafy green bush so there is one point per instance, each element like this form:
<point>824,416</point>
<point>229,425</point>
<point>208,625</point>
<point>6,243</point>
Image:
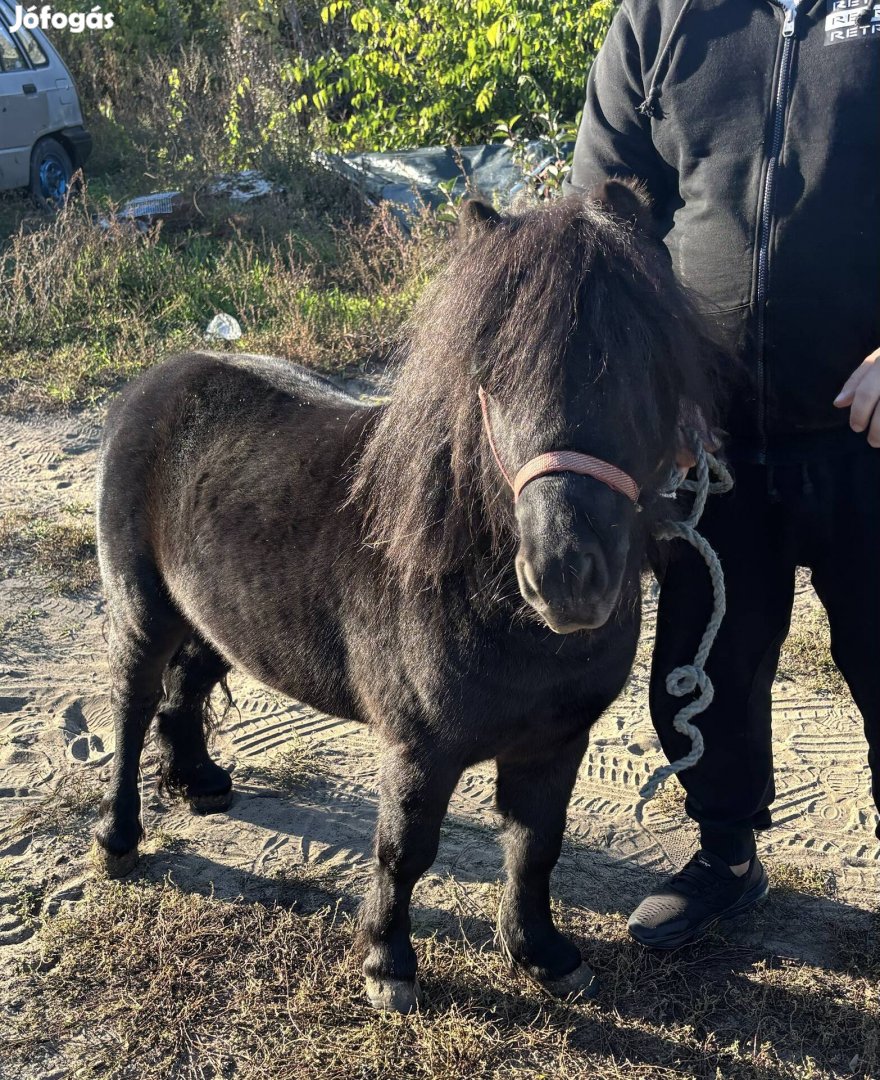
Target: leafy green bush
<point>179,91</point>
<point>414,73</point>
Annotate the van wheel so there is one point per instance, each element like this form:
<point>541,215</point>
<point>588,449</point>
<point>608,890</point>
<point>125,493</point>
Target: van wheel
<point>51,172</point>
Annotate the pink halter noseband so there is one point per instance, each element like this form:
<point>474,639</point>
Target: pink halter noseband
<point>559,461</point>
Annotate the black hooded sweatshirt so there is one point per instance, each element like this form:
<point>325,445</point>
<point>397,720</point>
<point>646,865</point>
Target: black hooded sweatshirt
<point>754,126</point>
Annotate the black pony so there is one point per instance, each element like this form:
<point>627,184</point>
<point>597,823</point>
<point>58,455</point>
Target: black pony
<point>372,561</point>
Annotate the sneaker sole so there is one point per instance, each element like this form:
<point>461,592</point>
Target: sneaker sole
<point>748,900</point>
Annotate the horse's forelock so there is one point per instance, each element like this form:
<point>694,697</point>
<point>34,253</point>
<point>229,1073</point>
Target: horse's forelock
<point>502,313</point>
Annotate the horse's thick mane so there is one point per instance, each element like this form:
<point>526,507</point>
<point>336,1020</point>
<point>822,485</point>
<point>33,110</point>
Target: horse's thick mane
<point>502,313</point>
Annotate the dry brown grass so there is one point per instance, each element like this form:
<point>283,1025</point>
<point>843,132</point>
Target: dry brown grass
<point>83,308</point>
<point>250,991</point>
<point>806,655</point>
<point>65,809</point>
<point>288,770</point>
<point>669,800</point>
<point>62,551</point>
<point>805,880</point>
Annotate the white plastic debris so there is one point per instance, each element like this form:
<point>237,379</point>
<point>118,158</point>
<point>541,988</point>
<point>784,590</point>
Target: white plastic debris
<point>243,186</point>
<point>223,327</point>
<point>159,204</point>
<point>145,210</point>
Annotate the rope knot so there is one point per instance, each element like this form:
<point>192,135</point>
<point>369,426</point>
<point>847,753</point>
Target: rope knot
<point>649,106</point>
<point>685,680</point>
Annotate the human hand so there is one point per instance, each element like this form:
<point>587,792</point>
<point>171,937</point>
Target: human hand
<point>861,395</point>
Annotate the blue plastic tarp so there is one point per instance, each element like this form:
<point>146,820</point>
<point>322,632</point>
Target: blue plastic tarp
<point>412,178</point>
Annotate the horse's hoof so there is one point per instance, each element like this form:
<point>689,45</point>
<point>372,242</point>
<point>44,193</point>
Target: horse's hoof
<point>581,983</point>
<point>107,864</point>
<point>210,804</point>
<point>394,995</point>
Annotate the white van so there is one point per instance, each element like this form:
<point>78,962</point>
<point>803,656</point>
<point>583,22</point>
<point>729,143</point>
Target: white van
<point>42,138</point>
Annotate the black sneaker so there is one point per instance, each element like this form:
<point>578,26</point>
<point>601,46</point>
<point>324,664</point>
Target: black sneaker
<point>700,894</point>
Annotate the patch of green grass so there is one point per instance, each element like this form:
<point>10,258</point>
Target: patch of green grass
<point>77,507</point>
<point>64,551</point>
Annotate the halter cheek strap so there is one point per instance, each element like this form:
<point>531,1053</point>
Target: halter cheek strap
<point>558,461</point>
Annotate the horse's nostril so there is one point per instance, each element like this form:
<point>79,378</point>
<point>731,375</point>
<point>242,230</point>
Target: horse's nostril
<point>528,580</point>
<point>590,572</point>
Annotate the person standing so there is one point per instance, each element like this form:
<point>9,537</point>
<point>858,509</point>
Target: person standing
<point>753,125</point>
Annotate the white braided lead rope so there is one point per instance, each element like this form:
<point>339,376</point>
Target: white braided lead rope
<point>691,677</point>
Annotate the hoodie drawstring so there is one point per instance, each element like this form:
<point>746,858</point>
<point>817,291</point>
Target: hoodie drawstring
<point>649,106</point>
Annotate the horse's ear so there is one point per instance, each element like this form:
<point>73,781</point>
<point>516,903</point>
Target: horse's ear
<point>627,200</point>
<point>474,216</point>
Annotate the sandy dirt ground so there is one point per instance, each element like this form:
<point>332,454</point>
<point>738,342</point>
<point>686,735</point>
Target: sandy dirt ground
<point>55,728</point>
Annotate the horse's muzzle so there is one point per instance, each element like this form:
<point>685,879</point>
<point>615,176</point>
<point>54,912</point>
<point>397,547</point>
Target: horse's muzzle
<point>571,593</point>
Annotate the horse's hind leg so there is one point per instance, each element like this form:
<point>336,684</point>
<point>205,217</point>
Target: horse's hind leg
<point>533,797</point>
<point>145,632</point>
<point>181,728</point>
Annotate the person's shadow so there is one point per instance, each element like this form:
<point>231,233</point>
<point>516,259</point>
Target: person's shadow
<point>791,927</point>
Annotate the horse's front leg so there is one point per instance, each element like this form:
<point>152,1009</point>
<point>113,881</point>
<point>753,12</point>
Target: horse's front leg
<point>533,798</point>
<point>414,791</point>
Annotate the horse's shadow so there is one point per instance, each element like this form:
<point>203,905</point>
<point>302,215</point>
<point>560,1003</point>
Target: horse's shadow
<point>797,927</point>
<point>710,987</point>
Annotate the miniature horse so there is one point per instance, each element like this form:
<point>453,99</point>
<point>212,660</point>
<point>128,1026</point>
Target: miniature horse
<point>372,562</point>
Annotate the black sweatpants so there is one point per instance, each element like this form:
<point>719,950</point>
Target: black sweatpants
<point>824,515</point>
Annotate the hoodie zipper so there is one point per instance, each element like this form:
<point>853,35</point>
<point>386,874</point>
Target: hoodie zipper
<point>780,101</point>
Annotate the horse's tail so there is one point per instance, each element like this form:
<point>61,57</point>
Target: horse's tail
<point>187,716</point>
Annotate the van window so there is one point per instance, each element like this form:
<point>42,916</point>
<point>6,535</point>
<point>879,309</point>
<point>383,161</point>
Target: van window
<point>10,58</point>
<point>33,48</point>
